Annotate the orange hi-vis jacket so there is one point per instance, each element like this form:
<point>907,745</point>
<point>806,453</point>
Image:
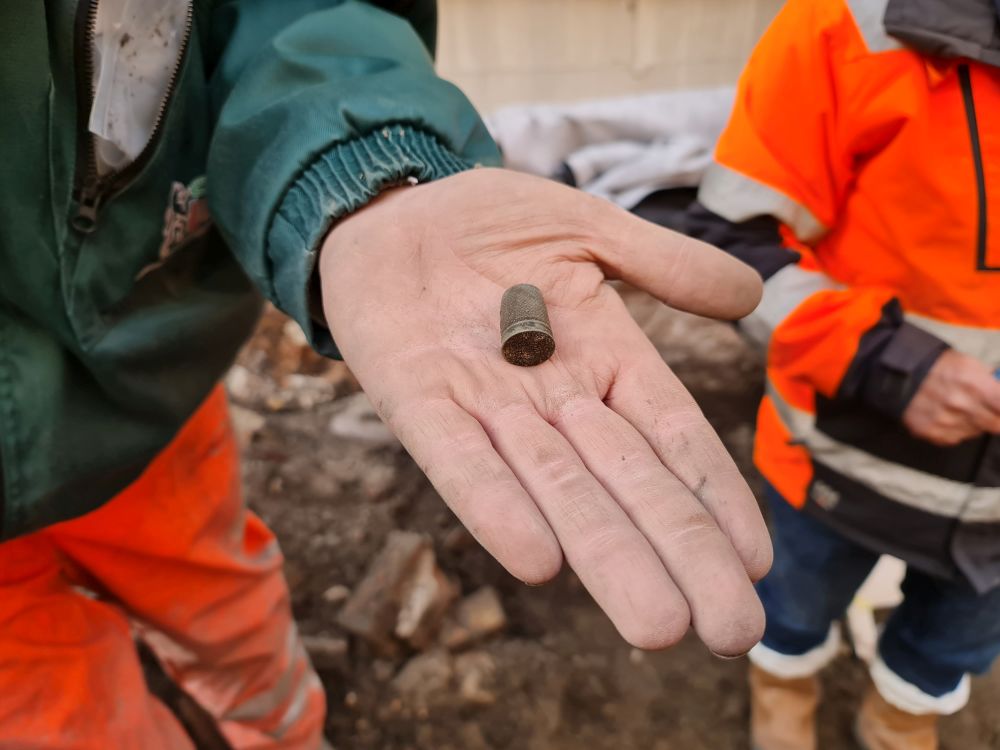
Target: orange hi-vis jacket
<point>870,129</point>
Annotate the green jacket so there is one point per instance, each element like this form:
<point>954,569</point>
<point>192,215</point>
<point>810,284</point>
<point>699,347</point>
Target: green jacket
<point>120,305</point>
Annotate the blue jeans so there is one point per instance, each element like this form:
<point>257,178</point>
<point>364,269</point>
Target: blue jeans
<point>942,631</point>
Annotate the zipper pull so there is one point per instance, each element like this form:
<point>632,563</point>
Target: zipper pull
<point>85,220</point>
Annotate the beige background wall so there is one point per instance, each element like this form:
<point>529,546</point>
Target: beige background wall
<point>506,51</point>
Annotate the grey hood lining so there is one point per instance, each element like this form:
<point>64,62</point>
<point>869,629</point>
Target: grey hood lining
<point>947,28</point>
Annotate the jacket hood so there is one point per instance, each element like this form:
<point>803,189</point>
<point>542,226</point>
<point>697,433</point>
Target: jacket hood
<point>947,28</point>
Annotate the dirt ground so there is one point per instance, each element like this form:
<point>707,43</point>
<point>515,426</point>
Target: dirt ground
<point>558,677</point>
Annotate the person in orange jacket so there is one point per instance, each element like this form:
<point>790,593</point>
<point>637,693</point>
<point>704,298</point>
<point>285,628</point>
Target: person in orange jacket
<point>859,173</point>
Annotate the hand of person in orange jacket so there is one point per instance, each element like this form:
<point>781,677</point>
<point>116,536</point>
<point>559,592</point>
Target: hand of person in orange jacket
<point>599,455</point>
<point>959,399</point>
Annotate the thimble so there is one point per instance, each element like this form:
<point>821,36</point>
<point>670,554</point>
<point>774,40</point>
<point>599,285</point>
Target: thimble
<point>525,334</point>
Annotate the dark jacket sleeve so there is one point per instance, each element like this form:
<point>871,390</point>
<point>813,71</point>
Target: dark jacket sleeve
<point>322,104</point>
<point>893,356</point>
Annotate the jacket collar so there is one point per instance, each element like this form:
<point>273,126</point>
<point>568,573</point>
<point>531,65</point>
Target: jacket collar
<point>947,28</point>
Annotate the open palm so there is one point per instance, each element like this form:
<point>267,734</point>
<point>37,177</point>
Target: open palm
<point>599,454</point>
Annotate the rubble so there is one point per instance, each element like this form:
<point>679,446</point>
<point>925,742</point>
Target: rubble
<point>373,608</point>
<point>246,424</point>
<point>478,615</point>
<point>336,594</point>
<point>378,480</point>
<point>430,680</point>
<point>326,652</point>
<point>358,420</point>
<point>475,672</point>
<point>424,601</point>
<point>403,597</point>
<point>295,393</point>
<point>426,679</point>
<point>281,372</point>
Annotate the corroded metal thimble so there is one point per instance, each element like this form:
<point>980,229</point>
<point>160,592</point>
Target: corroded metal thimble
<point>525,334</point>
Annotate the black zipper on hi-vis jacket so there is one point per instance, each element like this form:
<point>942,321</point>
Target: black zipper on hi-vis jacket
<point>982,228</point>
<point>91,190</point>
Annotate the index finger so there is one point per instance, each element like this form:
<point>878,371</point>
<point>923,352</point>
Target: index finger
<point>680,271</point>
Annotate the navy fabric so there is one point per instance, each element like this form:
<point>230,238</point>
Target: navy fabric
<point>815,574</point>
<point>942,631</point>
<point>757,242</point>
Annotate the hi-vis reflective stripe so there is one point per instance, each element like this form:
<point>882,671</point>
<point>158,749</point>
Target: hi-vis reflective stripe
<point>917,489</point>
<point>290,693</point>
<point>310,684</point>
<point>738,198</point>
<point>869,15</point>
<point>981,343</point>
<point>783,292</point>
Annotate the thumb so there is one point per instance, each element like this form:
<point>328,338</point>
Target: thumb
<point>682,272</point>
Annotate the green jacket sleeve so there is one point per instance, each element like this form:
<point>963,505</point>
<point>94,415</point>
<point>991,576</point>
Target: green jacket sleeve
<point>321,106</point>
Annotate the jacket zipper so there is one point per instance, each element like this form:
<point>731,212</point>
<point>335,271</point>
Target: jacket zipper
<point>91,190</point>
<point>982,228</point>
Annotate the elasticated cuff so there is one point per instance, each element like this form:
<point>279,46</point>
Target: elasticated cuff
<point>901,368</point>
<point>339,182</point>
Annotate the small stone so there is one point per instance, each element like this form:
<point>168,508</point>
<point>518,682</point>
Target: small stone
<point>294,334</point>
<point>351,699</point>
<point>358,420</point>
<point>477,616</point>
<point>246,424</point>
<point>425,680</point>
<point>426,598</point>
<point>276,402</point>
<point>307,391</point>
<point>475,672</point>
<point>242,384</point>
<point>326,652</point>
<point>636,656</point>
<point>336,594</point>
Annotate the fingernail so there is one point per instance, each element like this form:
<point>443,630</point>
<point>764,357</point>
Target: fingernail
<point>525,334</point>
<point>725,657</point>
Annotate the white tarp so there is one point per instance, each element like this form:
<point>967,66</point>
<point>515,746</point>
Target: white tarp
<point>621,149</point>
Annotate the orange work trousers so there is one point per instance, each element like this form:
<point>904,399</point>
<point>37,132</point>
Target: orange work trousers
<point>177,560</point>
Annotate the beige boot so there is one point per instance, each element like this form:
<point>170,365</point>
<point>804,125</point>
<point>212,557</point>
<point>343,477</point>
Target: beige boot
<point>782,711</point>
<point>882,726</point>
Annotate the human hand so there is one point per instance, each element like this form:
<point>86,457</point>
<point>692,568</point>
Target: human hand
<point>598,454</point>
<point>958,400</point>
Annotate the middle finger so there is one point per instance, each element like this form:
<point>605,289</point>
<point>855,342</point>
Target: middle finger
<point>611,556</point>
